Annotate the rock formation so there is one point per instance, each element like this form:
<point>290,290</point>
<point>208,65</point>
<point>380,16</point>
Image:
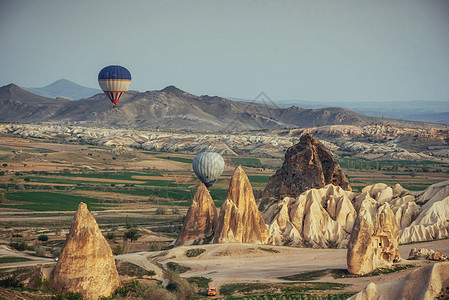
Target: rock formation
<point>432,221</point>
<point>308,164</point>
<point>201,220</point>
<point>86,263</point>
<point>424,283</point>
<point>38,278</point>
<point>318,217</point>
<point>426,254</point>
<point>374,238</point>
<point>240,221</point>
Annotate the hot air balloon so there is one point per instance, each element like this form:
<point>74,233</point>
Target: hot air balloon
<point>114,81</point>
<point>208,166</point>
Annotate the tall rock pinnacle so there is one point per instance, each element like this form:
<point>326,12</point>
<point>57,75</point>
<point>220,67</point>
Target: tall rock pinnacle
<point>86,263</point>
<point>240,221</point>
<point>201,219</point>
<point>307,165</point>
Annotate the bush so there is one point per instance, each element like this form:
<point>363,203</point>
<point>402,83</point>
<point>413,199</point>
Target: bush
<point>11,281</point>
<point>161,211</point>
<point>194,252</point>
<point>110,236</point>
<point>179,285</point>
<point>175,267</point>
<point>43,238</point>
<point>131,234</point>
<point>117,250</point>
<point>20,246</point>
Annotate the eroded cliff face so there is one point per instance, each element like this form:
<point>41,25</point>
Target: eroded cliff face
<point>240,220</point>
<point>86,263</point>
<point>374,238</point>
<point>318,217</point>
<point>424,283</point>
<point>201,220</point>
<point>307,165</point>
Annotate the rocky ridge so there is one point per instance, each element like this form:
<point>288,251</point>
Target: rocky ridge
<point>325,217</point>
<point>376,141</point>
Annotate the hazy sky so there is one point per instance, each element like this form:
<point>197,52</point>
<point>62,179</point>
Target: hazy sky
<point>315,50</point>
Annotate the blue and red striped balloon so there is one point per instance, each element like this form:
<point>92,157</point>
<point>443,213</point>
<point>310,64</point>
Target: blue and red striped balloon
<point>114,81</point>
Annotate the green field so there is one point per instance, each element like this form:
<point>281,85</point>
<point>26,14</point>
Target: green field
<point>178,159</point>
<point>12,259</point>
<point>247,162</point>
<point>48,201</point>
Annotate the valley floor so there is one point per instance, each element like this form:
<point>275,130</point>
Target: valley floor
<point>237,263</point>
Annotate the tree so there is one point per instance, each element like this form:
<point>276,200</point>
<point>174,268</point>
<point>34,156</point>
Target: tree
<point>5,165</point>
<point>43,238</point>
<point>131,234</point>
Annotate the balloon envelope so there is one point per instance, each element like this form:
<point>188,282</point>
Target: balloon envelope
<point>114,81</point>
<point>208,167</point>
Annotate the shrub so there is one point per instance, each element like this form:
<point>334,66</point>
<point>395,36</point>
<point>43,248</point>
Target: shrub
<point>10,281</point>
<point>131,234</point>
<point>43,238</point>
<point>110,236</point>
<point>179,285</point>
<point>20,246</point>
<point>175,267</point>
<point>194,252</point>
<point>117,250</point>
<point>161,211</point>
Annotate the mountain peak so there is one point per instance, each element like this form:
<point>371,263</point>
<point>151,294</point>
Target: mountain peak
<point>64,88</point>
<point>171,89</point>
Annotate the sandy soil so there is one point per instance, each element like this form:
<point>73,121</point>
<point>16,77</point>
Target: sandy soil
<point>227,263</point>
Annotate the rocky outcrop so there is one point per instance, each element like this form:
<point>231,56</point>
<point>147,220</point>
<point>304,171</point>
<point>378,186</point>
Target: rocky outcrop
<point>201,220</point>
<point>240,221</point>
<point>318,217</point>
<point>86,263</point>
<point>374,238</point>
<point>307,165</point>
<point>38,278</point>
<point>424,283</point>
<point>432,221</point>
<point>426,254</point>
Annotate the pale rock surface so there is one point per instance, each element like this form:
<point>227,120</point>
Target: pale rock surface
<point>424,283</point>
<point>319,217</point>
<point>86,263</point>
<point>432,220</point>
<point>374,238</point>
<point>201,219</point>
<point>240,220</point>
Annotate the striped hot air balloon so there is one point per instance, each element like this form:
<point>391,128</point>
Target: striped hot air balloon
<point>114,81</point>
<point>208,167</point>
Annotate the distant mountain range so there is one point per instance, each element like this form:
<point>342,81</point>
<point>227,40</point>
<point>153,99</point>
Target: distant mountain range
<point>426,111</point>
<point>64,88</point>
<point>176,109</point>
